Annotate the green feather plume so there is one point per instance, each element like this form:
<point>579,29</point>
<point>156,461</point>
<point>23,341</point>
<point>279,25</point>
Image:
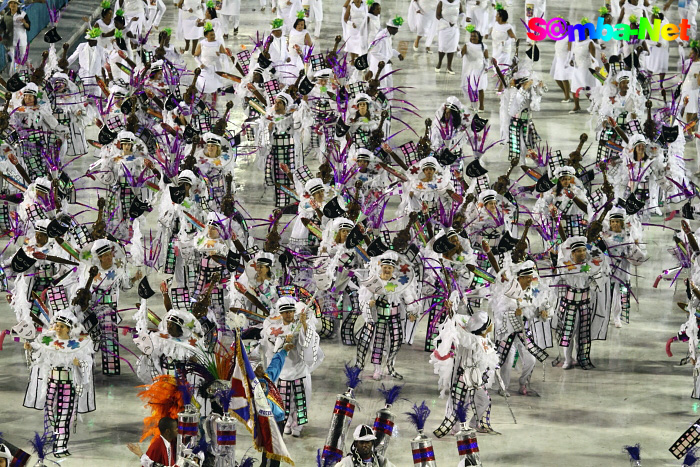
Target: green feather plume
<point>398,21</point>
<point>94,33</point>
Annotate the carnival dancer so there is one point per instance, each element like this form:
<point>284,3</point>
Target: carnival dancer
<point>293,318</point>
<point>465,362</point>
<point>581,271</point>
<point>625,247</point>
<point>100,281</point>
<point>386,296</point>
<point>61,380</point>
<point>517,304</point>
<point>474,64</point>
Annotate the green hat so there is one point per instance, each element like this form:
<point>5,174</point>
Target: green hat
<point>168,31</point>
<point>603,11</point>
<point>499,6</point>
<point>106,4</point>
<point>277,23</point>
<point>471,28</point>
<point>118,33</point>
<point>120,12</point>
<point>94,33</point>
<point>301,14</point>
<point>396,22</point>
<point>584,20</point>
<point>208,27</point>
<point>633,19</point>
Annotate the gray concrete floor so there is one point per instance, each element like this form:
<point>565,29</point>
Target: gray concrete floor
<point>636,394</point>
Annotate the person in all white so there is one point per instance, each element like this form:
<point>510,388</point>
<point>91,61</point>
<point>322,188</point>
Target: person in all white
<point>422,20</point>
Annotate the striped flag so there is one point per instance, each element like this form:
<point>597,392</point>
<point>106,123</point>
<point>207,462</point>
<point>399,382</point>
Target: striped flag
<point>250,406</point>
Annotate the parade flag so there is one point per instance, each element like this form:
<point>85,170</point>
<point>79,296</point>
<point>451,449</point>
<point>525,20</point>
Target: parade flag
<point>250,406</point>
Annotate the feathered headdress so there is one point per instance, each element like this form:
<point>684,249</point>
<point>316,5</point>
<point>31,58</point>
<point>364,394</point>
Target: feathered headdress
<point>418,415</point>
<point>301,14</point>
<point>397,21</point>
<point>694,44</point>
<point>106,4</point>
<point>208,27</point>
<point>603,11</point>
<point>164,400</point>
<point>277,23</point>
<point>370,3</point>
<point>471,28</point>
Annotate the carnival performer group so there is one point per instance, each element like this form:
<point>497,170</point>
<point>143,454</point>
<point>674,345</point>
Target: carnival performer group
<point>368,239</point>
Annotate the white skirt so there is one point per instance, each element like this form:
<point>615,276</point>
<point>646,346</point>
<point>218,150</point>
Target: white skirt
<point>582,78</point>
<point>561,70</point>
<point>190,31</point>
<point>657,60</point>
<point>448,39</point>
<point>357,41</point>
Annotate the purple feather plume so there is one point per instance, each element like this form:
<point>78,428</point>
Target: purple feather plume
<point>352,375</point>
<point>202,446</point>
<point>185,390</point>
<point>634,452</point>
<point>225,398</point>
<point>390,394</point>
<point>690,458</point>
<point>38,442</point>
<point>461,412</point>
<point>419,415</point>
<point>247,462</point>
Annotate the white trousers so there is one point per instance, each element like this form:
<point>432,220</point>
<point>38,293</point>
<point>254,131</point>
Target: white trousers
<point>525,357</point>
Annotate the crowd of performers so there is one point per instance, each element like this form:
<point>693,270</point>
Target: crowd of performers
<point>367,241</point>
